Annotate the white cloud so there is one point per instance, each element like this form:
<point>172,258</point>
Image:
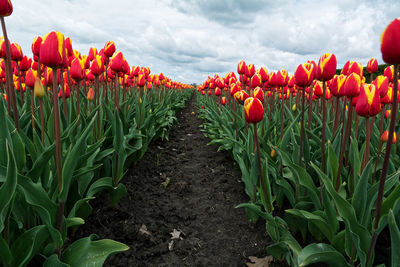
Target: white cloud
<point>189,40</point>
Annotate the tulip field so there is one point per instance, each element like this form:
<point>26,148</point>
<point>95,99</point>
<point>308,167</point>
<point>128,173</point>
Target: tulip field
<point>316,152</point>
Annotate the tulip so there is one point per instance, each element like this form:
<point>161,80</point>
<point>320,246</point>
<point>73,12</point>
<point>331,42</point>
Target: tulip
<point>390,43</point>
<point>141,80</point>
<point>77,71</point>
<point>16,52</point>
<point>250,70</point>
<point>223,100</point>
<point>241,69</point>
<point>355,67</point>
<point>254,111</point>
<point>90,95</point>
<point>352,85</point>
<point>30,78</point>
<point>38,88</point>
<point>368,103</point>
<point>326,67</point>
<point>52,50</point>
<point>217,91</point>
<point>68,47</point>
<point>385,137</point>
<point>264,74</point>
<point>259,94</point>
<point>6,8</point>
<point>372,65</point>
<point>255,81</point>
<point>97,66</point>
<point>304,74</point>
<point>25,64</point>
<point>388,113</point>
<point>241,96</point>
<point>92,53</point>
<point>109,48</point>
<point>382,84</point>
<point>117,62</point>
<point>389,72</point>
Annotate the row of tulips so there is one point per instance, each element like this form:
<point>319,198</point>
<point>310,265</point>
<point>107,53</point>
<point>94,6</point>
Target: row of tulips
<point>316,176</point>
<point>71,124</point>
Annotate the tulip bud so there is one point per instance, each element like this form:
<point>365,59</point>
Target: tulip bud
<point>90,95</point>
<point>326,67</point>
<point>250,70</point>
<point>92,53</point>
<point>16,52</point>
<point>372,65</point>
<point>31,76</point>
<point>141,80</point>
<point>368,103</point>
<point>217,91</point>
<point>254,111</point>
<point>388,113</point>
<point>241,67</point>
<point>97,67</point>
<point>294,107</point>
<point>390,42</point>
<point>385,137</point>
<point>77,70</point>
<point>259,94</point>
<point>382,84</point>
<point>109,48</point>
<point>241,96</point>
<point>389,73</point>
<point>352,85</point>
<point>304,74</point>
<point>38,88</point>
<point>117,62</point>
<point>223,100</point>
<point>255,81</point>
<point>273,153</point>
<point>6,8</point>
<point>263,74</point>
<point>52,50</point>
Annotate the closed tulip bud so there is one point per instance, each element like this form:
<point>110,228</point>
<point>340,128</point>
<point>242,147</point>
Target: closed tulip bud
<point>388,113</point>
<point>5,97</point>
<point>90,95</point>
<point>241,96</point>
<point>97,67</point>
<point>282,78</point>
<point>318,90</point>
<point>352,85</point>
<point>67,92</point>
<point>220,82</point>
<point>16,52</point>
<point>385,137</point>
<point>326,67</point>
<point>217,91</point>
<point>357,68</point>
<point>368,103</point>
<point>203,92</point>
<point>30,79</point>
<point>141,80</point>
<point>68,47</point>
<point>77,70</point>
<point>255,81</point>
<point>345,69</point>
<point>294,107</point>
<point>92,53</point>
<point>272,79</point>
<point>241,69</point>
<point>37,42</point>
<point>6,8</point>
<point>259,94</point>
<point>264,74</point>
<point>389,73</point>
<point>234,89</point>
<point>273,153</point>
<point>25,64</point>
<point>372,65</point>
<point>382,84</point>
<point>250,70</point>
<point>117,62</point>
<point>304,74</point>
<point>223,100</point>
<point>254,111</point>
<point>52,50</point>
<point>109,48</point>
<point>38,89</point>
<point>390,42</point>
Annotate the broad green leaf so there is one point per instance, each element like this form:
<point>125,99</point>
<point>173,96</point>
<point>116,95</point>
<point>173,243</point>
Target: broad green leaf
<point>87,252</point>
<point>360,193</point>
<point>53,261</point>
<point>5,253</point>
<point>321,253</point>
<point>395,239</point>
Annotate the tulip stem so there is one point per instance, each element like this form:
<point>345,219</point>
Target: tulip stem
<point>385,165</point>
<point>21,93</point>
<point>41,120</point>
<point>310,96</point>
<point>367,144</point>
<point>344,141</point>
<point>263,184</point>
<point>302,124</point>
<point>323,127</point>
<point>336,123</point>
<point>282,111</point>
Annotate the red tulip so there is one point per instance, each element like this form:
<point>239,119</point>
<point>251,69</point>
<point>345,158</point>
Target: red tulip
<point>92,53</point>
<point>264,74</point>
<point>255,80</point>
<point>372,65</point>
<point>77,70</point>
<point>352,85</point>
<point>52,50</point>
<point>6,8</point>
<point>241,69</point>
<point>368,103</point>
<point>250,70</point>
<point>345,69</point>
<point>217,91</point>
<point>90,95</point>
<point>272,79</point>
<point>241,96</point>
<point>382,84</point>
<point>141,80</point>
<point>355,67</point>
<point>385,137</point>
<point>117,62</point>
<point>68,47</point>
<point>254,111</point>
<point>336,86</point>
<point>220,82</point>
<point>223,100</point>
<point>388,113</point>
<point>31,76</point>
<point>25,64</point>
<point>387,99</point>
<point>37,41</point>
<point>389,73</point>
<point>109,48</point>
<point>318,92</point>
<point>67,92</point>
<point>304,74</point>
<point>86,62</point>
<point>16,52</point>
<point>282,78</point>
<point>259,94</point>
<point>326,67</point>
<point>390,42</point>
<point>97,67</point>
<point>234,89</point>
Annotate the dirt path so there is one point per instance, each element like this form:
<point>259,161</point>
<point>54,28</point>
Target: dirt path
<point>198,202</point>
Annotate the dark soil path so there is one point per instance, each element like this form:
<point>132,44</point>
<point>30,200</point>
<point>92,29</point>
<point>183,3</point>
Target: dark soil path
<point>185,185</point>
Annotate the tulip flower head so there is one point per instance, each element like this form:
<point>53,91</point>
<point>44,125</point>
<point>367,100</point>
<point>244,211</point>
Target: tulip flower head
<point>109,48</point>
<point>390,42</point>
<point>241,96</point>
<point>6,8</point>
<point>326,67</point>
<point>254,111</point>
<point>38,88</point>
<point>304,74</point>
<point>352,85</point>
<point>389,72</point>
<point>223,100</point>
<point>264,74</point>
<point>372,65</point>
<point>97,67</point>
<point>385,137</point>
<point>382,84</point>
<point>52,50</point>
<point>259,94</point>
<point>368,102</point>
<point>241,69</point>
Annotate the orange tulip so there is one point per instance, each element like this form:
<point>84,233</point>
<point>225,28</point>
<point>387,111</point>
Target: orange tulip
<point>390,42</point>
<point>352,85</point>
<point>368,103</point>
<point>6,8</point>
<point>372,65</point>
<point>90,95</point>
<point>254,111</point>
<point>52,50</point>
<point>326,67</point>
<point>304,74</point>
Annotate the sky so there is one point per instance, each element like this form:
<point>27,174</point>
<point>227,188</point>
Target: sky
<point>189,40</point>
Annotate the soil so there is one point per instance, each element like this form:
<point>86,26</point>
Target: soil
<point>186,186</point>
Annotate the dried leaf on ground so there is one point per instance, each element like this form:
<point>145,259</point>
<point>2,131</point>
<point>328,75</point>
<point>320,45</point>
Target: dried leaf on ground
<point>176,234</point>
<point>259,262</point>
<point>143,230</point>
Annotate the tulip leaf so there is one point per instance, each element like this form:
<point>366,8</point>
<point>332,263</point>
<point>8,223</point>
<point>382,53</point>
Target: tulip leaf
<point>360,193</point>
<point>87,252</point>
<point>394,238</point>
<point>321,253</point>
<point>5,253</point>
<point>54,261</point>
<point>4,134</point>
<point>42,160</point>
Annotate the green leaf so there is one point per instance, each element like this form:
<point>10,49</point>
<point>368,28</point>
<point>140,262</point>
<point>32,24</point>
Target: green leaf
<point>333,161</point>
<point>19,150</point>
<point>28,245</point>
<point>7,189</point>
<point>317,253</point>
<point>360,192</point>
<point>117,193</point>
<point>87,252</point>
<point>4,133</point>
<point>74,221</point>
<point>395,239</point>
<point>42,160</point>
<point>5,253</point>
<point>53,261</point>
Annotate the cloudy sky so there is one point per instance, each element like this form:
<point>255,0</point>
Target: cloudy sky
<point>188,40</point>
